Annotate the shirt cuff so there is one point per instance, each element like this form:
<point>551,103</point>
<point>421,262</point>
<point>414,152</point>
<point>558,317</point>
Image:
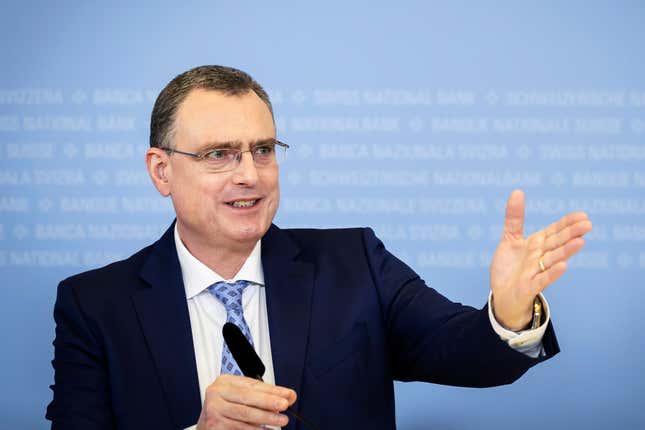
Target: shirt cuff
<point>528,342</point>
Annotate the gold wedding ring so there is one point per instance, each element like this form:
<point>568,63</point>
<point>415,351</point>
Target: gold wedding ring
<point>541,264</point>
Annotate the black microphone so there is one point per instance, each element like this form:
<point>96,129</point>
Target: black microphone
<point>243,353</point>
<point>247,359</point>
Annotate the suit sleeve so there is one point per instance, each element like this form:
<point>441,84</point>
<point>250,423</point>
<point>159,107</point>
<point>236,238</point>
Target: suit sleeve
<point>81,390</point>
<point>436,340</point>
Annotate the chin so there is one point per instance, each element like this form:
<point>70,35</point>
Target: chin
<point>249,233</point>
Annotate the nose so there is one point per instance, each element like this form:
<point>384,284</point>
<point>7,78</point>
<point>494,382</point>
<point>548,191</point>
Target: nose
<point>245,173</point>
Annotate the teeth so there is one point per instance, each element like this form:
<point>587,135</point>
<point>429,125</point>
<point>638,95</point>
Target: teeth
<point>243,203</point>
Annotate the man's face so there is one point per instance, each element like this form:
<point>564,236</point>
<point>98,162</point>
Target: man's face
<point>207,203</point>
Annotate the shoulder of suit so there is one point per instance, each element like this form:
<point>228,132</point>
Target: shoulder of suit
<point>115,274</point>
<point>325,233</point>
<point>346,238</point>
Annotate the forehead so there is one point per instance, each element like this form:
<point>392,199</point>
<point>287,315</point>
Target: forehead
<point>207,116</point>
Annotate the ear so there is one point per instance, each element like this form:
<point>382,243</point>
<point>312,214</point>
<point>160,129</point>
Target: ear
<point>159,169</point>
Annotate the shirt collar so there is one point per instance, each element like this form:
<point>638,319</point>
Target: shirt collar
<point>197,276</point>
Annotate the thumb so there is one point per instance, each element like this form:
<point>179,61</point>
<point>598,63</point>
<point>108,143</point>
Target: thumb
<point>514,221</point>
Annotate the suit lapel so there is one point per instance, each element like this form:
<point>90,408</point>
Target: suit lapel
<point>289,286</point>
<point>163,314</point>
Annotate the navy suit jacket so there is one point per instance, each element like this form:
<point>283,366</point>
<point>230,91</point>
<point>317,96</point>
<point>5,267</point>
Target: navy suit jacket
<point>346,318</point>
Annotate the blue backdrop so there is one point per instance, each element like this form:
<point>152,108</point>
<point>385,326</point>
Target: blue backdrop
<point>417,119</point>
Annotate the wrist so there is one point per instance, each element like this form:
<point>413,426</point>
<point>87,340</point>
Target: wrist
<point>516,321</point>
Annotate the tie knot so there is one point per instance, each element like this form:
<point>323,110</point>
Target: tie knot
<point>230,294</point>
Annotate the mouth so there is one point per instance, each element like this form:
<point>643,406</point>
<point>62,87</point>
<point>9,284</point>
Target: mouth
<point>243,203</point>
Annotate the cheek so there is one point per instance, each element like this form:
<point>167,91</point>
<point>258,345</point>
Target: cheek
<point>195,198</point>
<point>273,188</point>
<point>271,181</point>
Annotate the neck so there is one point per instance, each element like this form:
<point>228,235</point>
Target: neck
<point>226,261</point>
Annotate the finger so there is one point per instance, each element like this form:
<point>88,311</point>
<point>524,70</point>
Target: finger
<point>514,218</point>
<point>243,381</point>
<point>550,275</point>
<point>563,252</point>
<point>292,397</point>
<point>212,417</point>
<point>252,415</point>
<point>227,423</point>
<point>573,231</point>
<point>251,397</point>
<point>564,222</point>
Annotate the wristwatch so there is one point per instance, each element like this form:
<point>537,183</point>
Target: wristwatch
<point>537,313</point>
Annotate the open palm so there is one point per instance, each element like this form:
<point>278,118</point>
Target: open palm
<point>515,273</point>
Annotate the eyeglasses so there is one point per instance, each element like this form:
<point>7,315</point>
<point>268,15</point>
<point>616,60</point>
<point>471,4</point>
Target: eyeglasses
<point>226,159</point>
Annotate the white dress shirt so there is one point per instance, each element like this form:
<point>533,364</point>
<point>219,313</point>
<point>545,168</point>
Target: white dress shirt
<point>208,316</point>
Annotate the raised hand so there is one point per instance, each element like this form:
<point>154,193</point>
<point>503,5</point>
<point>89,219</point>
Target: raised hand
<point>522,268</point>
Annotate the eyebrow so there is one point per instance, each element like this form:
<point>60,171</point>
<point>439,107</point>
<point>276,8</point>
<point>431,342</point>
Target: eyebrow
<point>235,144</point>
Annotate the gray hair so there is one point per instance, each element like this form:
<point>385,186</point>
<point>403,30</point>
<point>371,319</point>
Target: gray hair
<point>226,80</point>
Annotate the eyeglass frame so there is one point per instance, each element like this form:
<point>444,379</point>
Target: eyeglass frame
<point>238,157</point>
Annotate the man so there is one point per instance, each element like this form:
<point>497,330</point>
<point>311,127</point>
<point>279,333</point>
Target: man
<point>333,315</point>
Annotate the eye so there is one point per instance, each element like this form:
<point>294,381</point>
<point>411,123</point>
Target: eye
<point>264,150</point>
<point>218,154</point>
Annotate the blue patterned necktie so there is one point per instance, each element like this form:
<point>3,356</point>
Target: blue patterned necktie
<point>230,294</point>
